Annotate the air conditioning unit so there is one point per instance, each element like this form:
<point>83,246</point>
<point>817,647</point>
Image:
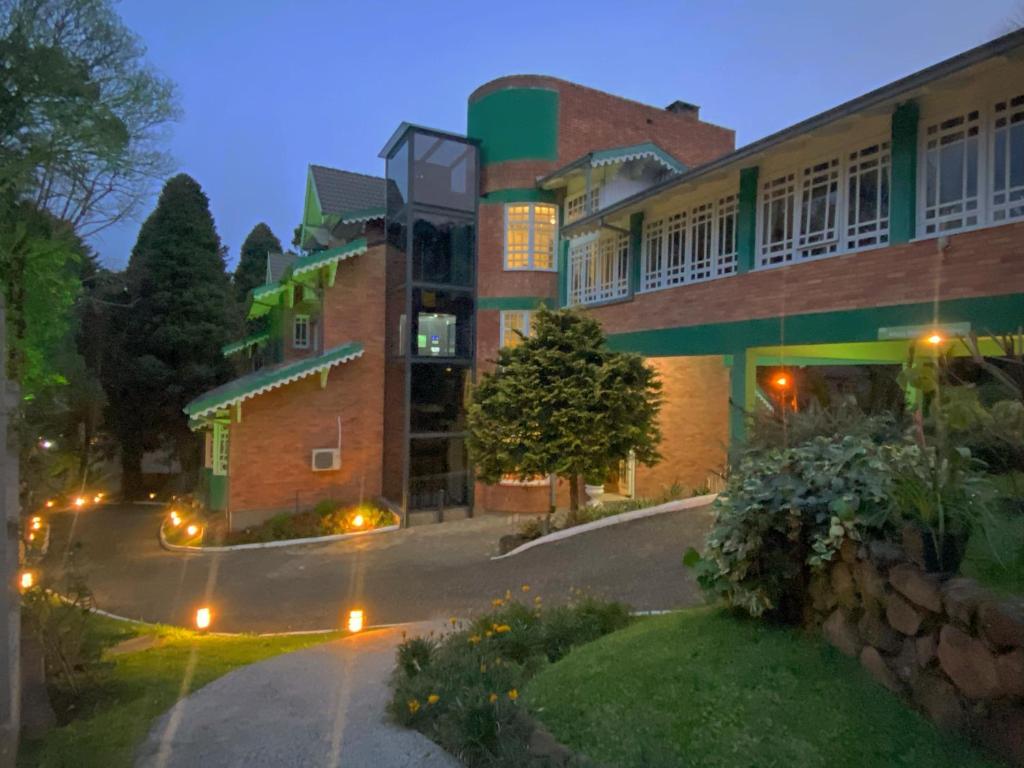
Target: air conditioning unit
<point>326,459</point>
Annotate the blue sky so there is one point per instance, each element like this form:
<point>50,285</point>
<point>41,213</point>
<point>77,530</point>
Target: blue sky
<point>269,87</point>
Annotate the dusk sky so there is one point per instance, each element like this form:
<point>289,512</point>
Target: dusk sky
<point>269,87</point>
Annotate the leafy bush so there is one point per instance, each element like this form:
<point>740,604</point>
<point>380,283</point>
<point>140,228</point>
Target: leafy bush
<point>325,519</point>
<point>462,689</point>
<point>786,511</point>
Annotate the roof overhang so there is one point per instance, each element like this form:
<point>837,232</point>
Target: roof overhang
<point>252,340</point>
<point>325,258</point>
<point>236,392</point>
<point>891,94</point>
<point>604,157</point>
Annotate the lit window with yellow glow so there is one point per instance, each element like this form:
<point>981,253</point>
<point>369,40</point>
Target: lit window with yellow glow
<point>514,320</point>
<point>531,232</point>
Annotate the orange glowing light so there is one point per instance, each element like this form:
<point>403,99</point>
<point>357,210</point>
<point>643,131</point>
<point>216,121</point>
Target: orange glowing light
<point>96,499</point>
<point>192,530</point>
<point>935,339</point>
<point>31,537</point>
<point>355,620</point>
<point>781,382</point>
<point>49,503</point>
<point>203,618</point>
<point>358,521</point>
<point>27,579</point>
<point>80,501</point>
<point>175,519</point>
<point>37,523</point>
<point>152,496</point>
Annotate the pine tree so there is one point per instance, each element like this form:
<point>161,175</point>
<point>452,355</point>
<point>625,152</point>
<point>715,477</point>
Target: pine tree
<point>252,260</point>
<point>182,311</point>
<point>560,402</point>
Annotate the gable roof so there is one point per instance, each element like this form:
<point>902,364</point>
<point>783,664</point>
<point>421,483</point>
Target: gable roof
<point>341,192</point>
<point>277,264</point>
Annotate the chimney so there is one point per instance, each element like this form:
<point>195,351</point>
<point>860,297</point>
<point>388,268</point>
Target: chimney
<point>684,108</point>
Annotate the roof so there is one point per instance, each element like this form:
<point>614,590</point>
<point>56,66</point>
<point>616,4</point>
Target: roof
<point>277,263</point>
<point>404,127</point>
<point>266,379</point>
<point>341,192</point>
<point>597,158</point>
<point>251,340</point>
<point>326,257</point>
<point>901,88</point>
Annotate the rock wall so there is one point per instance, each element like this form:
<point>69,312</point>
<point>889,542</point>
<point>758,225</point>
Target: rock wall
<point>951,648</point>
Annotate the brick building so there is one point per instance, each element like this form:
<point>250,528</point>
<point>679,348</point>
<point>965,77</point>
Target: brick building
<point>846,239</point>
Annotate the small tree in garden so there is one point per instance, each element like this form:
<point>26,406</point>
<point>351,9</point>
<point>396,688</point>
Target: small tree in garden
<point>560,402</point>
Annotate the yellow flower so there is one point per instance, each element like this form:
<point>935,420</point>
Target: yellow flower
<point>525,587</point>
<point>503,628</point>
<point>537,600</point>
<point>497,602</point>
<point>433,698</point>
<point>453,620</point>
<point>474,639</point>
<point>492,698</point>
<point>414,706</point>
<point>513,694</point>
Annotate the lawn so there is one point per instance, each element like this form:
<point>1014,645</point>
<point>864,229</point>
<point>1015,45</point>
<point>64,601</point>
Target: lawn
<point>702,688</point>
<point>114,711</point>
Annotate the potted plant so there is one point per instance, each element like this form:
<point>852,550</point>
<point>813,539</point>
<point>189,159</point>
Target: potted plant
<point>593,484</point>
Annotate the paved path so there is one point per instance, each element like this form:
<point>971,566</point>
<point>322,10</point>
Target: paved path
<point>428,572</point>
<point>323,706</point>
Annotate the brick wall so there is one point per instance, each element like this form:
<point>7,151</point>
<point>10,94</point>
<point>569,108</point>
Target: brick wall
<point>271,447</point>
<point>694,423</point>
<point>984,262</point>
<point>492,277</point>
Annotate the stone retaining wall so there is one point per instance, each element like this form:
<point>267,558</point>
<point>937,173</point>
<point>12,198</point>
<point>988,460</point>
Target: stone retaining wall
<point>951,648</point>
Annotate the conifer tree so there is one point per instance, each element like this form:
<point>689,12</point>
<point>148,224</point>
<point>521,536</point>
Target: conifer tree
<point>251,271</point>
<point>560,402</point>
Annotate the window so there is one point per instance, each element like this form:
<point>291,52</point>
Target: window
<point>690,246</point>
<point>778,203</point>
<point>576,206</point>
<point>300,332</point>
<point>867,197</point>
<point>511,321</point>
<point>598,269</point>
<point>219,461</point>
<point>1008,159</point>
<point>819,199</point>
<point>530,236</point>
<point>951,173</point>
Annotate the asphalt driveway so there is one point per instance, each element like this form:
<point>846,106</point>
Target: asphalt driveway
<point>424,573</point>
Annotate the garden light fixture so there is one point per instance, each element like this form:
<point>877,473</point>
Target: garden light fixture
<point>781,381</point>
<point>175,518</point>
<point>80,501</point>
<point>935,339</point>
<point>203,618</point>
<point>152,496</point>
<point>192,530</point>
<point>27,580</point>
<point>49,503</point>
<point>355,620</point>
<point>358,521</point>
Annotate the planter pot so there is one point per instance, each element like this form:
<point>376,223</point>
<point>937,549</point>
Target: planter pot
<point>594,493</point>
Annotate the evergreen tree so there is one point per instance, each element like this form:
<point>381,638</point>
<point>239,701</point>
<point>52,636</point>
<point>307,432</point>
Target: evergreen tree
<point>182,311</point>
<point>560,402</point>
<point>251,271</point>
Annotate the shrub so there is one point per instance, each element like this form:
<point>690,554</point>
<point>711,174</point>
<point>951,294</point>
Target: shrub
<point>462,689</point>
<point>786,511</point>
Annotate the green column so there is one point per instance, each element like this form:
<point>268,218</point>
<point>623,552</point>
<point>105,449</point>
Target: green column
<point>563,273</point>
<point>742,388</point>
<point>903,188</point>
<point>746,220</point>
<point>636,240</point>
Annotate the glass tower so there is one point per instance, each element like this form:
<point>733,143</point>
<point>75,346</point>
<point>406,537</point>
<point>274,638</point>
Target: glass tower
<point>430,289</point>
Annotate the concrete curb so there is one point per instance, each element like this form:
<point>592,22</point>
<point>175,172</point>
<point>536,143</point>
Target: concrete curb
<point>604,522</point>
<point>272,544</point>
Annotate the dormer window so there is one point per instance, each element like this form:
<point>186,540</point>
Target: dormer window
<point>300,332</point>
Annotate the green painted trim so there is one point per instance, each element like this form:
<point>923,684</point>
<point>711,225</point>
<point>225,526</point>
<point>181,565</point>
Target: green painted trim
<point>515,124</point>
<point>563,273</point>
<point>990,314</point>
<point>313,261</point>
<point>366,214</point>
<point>218,492</point>
<point>513,302</point>
<point>742,394</point>
<point>647,149</point>
<point>636,241</point>
<point>519,195</point>
<point>251,340</point>
<point>746,219</point>
<point>903,186</point>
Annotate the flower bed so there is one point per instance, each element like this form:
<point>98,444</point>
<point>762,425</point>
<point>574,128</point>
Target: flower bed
<point>461,689</point>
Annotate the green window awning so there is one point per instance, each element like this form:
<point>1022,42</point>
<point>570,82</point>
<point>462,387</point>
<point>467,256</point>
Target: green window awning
<point>314,261</point>
<point>252,340</point>
<point>266,379</point>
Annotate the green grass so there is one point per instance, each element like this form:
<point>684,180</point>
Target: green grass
<point>113,712</point>
<point>995,556</point>
<point>702,688</point>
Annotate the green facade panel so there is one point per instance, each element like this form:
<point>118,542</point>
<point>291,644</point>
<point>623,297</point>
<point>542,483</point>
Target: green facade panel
<point>903,192</point>
<point>515,124</point>
<point>746,220</point>
<point>636,240</point>
<point>518,195</point>
<point>513,302</point>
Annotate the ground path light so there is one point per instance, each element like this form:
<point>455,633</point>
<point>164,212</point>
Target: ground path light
<point>80,501</point>
<point>27,580</point>
<point>192,530</point>
<point>37,523</point>
<point>49,503</point>
<point>358,521</point>
<point>355,620</point>
<point>203,618</point>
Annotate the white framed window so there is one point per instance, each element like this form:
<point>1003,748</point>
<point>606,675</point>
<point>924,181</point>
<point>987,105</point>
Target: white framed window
<point>531,235</point>
<point>598,268</point>
<point>219,461</point>
<point>690,246</point>
<point>576,206</point>
<point>1008,159</point>
<point>952,152</point>
<point>300,332</point>
<point>511,321</point>
<point>778,212</point>
<point>819,201</point>
<point>868,175</point>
